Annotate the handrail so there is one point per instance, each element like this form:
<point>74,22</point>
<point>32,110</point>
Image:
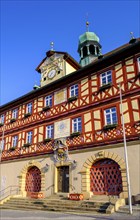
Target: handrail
<point>8,191</point>
<point>72,187</point>
<point>49,187</point>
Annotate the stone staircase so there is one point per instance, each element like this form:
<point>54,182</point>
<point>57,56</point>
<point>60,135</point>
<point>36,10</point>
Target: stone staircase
<point>58,203</point>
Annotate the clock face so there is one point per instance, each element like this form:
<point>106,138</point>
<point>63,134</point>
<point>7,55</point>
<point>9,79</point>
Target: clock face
<point>51,74</point>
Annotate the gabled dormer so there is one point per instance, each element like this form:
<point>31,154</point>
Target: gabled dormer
<point>56,65</point>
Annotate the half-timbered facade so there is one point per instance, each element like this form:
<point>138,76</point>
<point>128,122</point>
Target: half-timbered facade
<point>66,136</point>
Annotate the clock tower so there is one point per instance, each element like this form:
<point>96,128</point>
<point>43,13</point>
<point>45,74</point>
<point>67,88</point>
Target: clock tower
<point>55,66</point>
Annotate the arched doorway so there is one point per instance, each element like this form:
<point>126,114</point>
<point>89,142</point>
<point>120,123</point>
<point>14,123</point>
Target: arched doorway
<point>105,177</point>
<point>33,180</point>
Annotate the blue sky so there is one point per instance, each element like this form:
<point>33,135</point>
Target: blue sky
<point>28,27</point>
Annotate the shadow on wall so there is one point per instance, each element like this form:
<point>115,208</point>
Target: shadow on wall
<point>135,200</point>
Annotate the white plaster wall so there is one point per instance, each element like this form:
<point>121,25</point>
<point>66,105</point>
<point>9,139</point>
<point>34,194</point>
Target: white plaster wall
<point>12,169</point>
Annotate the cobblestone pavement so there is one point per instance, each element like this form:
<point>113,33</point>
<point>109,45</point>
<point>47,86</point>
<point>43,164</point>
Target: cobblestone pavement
<point>45,215</point>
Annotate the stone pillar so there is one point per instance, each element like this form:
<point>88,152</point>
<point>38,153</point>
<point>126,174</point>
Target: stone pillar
<point>95,49</point>
<point>86,184</point>
<point>81,52</point>
<point>88,52</point>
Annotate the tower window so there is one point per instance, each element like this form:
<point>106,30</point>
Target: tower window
<point>84,51</point>
<point>92,49</point>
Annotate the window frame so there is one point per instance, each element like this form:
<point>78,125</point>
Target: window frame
<point>138,64</point>
<point>110,113</point>
<point>15,141</point>
<point>106,78</point>
<point>29,135</point>
<point>15,113</point>
<point>73,90</point>
<point>49,102</point>
<point>49,131</point>
<point>29,108</point>
<point>2,118</point>
<point>76,123</point>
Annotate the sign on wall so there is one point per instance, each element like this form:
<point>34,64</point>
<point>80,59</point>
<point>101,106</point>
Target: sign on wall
<point>60,96</point>
<point>62,128</point>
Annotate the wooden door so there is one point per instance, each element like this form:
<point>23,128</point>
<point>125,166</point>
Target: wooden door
<point>33,180</point>
<point>105,178</point>
<point>63,179</point>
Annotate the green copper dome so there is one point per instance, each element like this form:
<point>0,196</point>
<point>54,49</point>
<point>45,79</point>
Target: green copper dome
<point>88,36</point>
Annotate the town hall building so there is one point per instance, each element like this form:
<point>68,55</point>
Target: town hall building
<point>66,135</point>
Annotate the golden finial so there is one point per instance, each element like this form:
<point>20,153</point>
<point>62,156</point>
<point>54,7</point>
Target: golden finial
<point>132,35</point>
<point>133,39</point>
<point>87,24</point>
<point>52,45</point>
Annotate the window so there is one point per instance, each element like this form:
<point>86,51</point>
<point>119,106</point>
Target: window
<point>49,131</point>
<point>48,100</point>
<point>106,77</point>
<point>15,113</point>
<point>1,145</point>
<point>110,116</point>
<point>77,125</point>
<point>2,119</point>
<point>29,108</point>
<point>74,90</point>
<point>138,61</point>
<point>29,137</point>
<point>14,141</point>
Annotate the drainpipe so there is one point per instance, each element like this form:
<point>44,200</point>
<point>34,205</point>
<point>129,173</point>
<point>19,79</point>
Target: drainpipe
<point>125,154</point>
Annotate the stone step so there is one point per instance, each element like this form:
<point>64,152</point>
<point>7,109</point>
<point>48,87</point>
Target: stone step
<point>135,208</point>
<point>103,198</point>
<point>62,203</point>
<point>57,204</point>
<point>53,208</point>
<point>44,202</point>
